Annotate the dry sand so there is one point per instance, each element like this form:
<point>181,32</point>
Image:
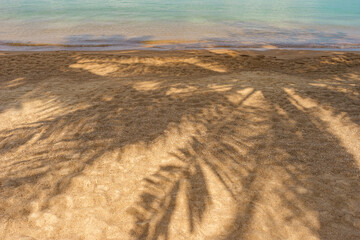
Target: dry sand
<point>180,145</point>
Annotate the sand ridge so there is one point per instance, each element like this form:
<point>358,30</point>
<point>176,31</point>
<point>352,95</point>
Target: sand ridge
<point>215,144</point>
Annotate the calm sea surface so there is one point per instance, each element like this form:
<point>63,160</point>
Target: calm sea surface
<point>168,24</point>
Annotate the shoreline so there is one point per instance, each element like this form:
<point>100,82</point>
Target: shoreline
<point>166,45</point>
<point>292,53</point>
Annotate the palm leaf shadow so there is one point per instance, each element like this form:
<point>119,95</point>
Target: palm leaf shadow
<point>157,203</point>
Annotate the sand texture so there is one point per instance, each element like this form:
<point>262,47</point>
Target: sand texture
<point>180,145</point>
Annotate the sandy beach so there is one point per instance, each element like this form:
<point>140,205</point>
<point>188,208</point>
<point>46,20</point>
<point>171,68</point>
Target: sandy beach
<point>178,145</point>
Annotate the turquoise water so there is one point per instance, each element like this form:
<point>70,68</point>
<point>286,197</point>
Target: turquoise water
<point>120,24</point>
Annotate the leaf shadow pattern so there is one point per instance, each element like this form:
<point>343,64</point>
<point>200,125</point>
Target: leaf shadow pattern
<point>245,146</point>
<point>98,127</point>
<point>166,182</point>
<point>157,203</point>
<point>280,150</point>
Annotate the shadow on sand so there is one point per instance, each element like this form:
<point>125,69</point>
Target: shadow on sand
<point>269,134</point>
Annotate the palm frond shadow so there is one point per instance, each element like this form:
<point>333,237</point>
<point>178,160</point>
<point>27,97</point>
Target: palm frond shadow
<point>218,151</point>
<point>154,210</point>
<point>84,135</point>
<point>155,207</point>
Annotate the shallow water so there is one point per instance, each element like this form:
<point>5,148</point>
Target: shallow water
<point>124,24</point>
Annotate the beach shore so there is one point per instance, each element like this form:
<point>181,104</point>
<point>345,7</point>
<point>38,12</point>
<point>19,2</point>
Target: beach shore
<point>196,144</point>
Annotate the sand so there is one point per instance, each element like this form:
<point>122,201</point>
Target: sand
<point>210,144</point>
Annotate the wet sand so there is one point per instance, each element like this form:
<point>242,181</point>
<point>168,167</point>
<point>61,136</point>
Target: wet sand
<point>180,145</point>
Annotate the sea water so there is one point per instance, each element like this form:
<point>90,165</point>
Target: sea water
<point>177,24</point>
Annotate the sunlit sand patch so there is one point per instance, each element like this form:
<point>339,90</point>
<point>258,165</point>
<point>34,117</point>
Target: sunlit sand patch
<point>225,51</point>
<point>339,125</point>
<point>15,83</point>
<point>146,86</point>
<point>256,99</point>
<point>318,84</point>
<point>304,102</point>
<point>281,111</point>
<point>354,76</point>
<point>208,66</point>
<point>97,68</point>
<point>167,61</point>
<point>343,90</point>
<point>180,90</point>
<point>336,88</point>
<point>328,62</point>
<point>240,95</point>
<point>105,66</point>
<point>220,88</point>
<point>154,61</point>
<point>107,98</point>
<point>334,60</point>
